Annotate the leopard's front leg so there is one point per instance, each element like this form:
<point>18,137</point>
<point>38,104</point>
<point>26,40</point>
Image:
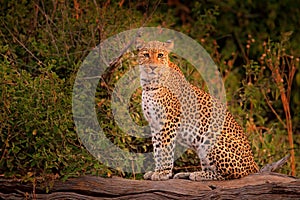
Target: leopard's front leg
<point>163,114</point>
<point>163,145</point>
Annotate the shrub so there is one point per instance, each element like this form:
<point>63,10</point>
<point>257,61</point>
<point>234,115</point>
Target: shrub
<point>38,139</point>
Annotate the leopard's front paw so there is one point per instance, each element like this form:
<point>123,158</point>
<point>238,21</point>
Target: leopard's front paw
<point>148,175</point>
<point>158,176</point>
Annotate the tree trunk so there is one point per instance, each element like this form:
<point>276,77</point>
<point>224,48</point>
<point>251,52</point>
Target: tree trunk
<point>256,186</point>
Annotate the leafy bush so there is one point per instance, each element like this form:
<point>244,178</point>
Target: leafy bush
<point>44,42</point>
<point>37,130</point>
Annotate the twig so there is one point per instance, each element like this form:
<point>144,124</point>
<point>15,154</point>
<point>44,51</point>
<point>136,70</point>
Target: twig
<point>273,110</point>
<point>245,58</point>
<point>28,51</point>
<point>279,80</point>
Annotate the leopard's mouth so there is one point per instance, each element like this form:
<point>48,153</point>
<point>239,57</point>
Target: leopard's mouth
<point>144,80</point>
<point>148,86</point>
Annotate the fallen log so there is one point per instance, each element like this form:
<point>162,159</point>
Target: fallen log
<point>255,186</point>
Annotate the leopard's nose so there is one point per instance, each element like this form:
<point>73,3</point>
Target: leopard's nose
<point>152,67</point>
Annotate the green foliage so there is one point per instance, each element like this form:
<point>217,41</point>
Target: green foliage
<point>260,107</point>
<point>44,42</point>
<point>37,130</point>
<point>52,33</point>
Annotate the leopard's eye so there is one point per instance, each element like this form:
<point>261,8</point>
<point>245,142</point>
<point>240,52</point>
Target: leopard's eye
<point>146,55</point>
<point>160,55</point>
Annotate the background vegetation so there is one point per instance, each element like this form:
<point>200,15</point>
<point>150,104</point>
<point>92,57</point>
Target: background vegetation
<point>254,43</point>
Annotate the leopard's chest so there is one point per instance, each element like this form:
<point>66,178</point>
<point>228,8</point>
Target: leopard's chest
<point>161,105</point>
<point>153,108</point>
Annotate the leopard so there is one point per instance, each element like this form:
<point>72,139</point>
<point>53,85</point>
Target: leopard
<point>178,111</point>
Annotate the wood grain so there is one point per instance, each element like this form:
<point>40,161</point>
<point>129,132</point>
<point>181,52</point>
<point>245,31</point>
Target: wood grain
<point>256,186</point>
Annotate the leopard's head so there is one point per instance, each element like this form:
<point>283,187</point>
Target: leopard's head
<point>153,62</point>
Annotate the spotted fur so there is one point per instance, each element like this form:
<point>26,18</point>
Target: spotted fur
<point>177,110</point>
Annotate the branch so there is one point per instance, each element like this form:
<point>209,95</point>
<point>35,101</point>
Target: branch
<point>255,186</point>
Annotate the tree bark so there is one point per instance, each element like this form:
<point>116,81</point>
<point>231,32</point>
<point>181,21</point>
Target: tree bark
<point>256,186</point>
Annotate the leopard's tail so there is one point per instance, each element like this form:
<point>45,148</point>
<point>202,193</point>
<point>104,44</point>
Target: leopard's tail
<point>275,165</point>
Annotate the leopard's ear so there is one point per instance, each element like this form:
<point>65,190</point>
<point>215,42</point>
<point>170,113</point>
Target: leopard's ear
<point>169,45</point>
<point>139,43</point>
